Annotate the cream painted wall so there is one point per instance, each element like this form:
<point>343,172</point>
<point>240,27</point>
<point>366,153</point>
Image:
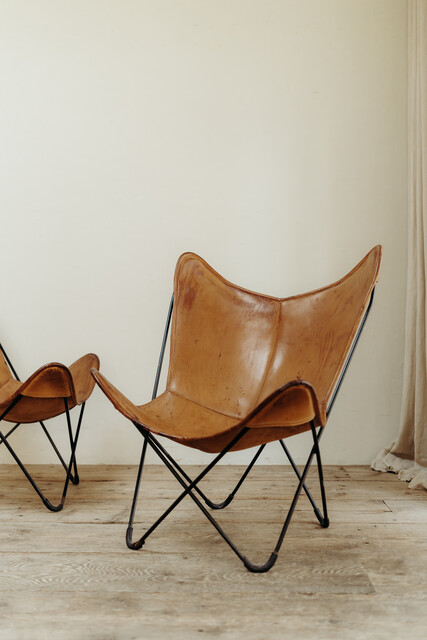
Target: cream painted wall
<point>269,136</point>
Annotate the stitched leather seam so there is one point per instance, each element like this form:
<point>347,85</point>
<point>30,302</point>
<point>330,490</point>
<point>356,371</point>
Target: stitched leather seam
<point>226,415</point>
<point>271,358</point>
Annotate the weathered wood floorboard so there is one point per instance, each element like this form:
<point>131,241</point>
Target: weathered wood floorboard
<point>70,576</point>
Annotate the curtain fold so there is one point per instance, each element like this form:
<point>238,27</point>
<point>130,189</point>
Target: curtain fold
<point>407,455</point>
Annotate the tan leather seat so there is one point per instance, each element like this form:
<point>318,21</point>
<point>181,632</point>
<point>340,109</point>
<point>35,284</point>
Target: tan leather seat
<point>240,358</point>
<point>52,390</point>
<point>43,393</point>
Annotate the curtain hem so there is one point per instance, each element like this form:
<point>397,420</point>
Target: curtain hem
<point>407,470</point>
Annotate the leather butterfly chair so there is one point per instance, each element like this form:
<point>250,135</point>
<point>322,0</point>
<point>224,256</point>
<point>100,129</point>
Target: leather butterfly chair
<point>50,391</point>
<point>247,369</point>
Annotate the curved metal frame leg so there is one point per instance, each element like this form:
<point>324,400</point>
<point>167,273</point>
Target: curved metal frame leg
<point>129,530</point>
<point>229,498</point>
<point>71,464</point>
<point>74,478</point>
<point>149,439</point>
<point>322,518</point>
<point>190,487</point>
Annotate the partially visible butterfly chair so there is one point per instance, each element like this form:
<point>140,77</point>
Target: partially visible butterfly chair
<point>50,391</point>
<point>247,369</point>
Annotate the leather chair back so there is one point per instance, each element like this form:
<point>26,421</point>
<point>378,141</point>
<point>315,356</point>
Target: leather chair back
<point>231,348</point>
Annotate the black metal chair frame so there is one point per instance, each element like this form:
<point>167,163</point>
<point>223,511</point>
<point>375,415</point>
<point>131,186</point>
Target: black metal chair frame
<point>70,469</point>
<point>191,486</point>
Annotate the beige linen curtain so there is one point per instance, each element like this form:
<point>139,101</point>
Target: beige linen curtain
<point>407,456</point>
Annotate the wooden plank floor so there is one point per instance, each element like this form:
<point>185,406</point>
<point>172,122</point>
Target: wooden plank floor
<point>70,576</point>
